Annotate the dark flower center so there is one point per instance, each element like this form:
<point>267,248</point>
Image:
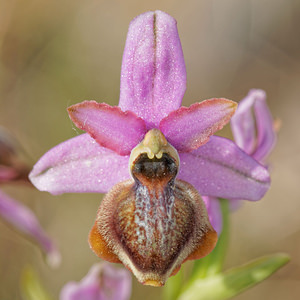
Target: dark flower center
<point>150,171</point>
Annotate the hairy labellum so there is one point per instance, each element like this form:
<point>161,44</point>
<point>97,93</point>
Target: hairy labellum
<point>154,223</point>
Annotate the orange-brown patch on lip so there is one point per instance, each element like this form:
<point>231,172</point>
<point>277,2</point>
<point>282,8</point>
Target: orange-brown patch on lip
<point>100,247</point>
<point>206,245</point>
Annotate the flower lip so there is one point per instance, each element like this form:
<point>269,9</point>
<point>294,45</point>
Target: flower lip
<point>152,232</point>
<point>154,223</point>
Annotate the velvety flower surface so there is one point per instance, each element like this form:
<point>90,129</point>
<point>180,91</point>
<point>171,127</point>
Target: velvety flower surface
<point>103,282</point>
<point>14,212</point>
<point>171,154</point>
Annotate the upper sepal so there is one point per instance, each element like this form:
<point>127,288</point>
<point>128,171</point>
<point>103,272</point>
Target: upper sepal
<point>153,76</point>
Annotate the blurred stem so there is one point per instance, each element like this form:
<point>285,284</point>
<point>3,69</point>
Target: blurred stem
<point>173,286</point>
<point>31,286</point>
<point>213,263</point>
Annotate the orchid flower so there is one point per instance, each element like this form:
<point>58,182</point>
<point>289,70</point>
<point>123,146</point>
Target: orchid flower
<point>253,126</point>
<point>14,212</point>
<point>153,218</point>
<point>103,282</point>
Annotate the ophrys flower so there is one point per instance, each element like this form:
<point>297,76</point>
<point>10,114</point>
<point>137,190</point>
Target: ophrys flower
<point>153,218</point>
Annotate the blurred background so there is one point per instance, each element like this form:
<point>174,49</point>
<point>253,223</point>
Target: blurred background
<point>57,53</point>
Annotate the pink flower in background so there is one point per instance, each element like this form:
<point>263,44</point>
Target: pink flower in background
<point>253,126</point>
<point>25,221</point>
<point>14,212</point>
<point>12,169</point>
<point>253,130</point>
<point>153,218</point>
<point>103,282</point>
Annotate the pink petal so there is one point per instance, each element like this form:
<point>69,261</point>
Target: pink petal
<point>190,127</point>
<point>103,282</point>
<point>243,125</point>
<point>266,135</point>
<point>153,76</point>
<point>221,169</point>
<point>79,165</point>
<point>214,212</point>
<point>252,125</point>
<point>25,221</point>
<point>109,126</point>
